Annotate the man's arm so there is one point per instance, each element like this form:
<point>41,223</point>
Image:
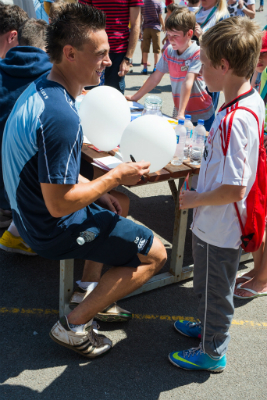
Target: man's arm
<point>135,21</point>
<point>224,194</point>
<point>149,85</point>
<point>62,200</point>
<point>185,93</point>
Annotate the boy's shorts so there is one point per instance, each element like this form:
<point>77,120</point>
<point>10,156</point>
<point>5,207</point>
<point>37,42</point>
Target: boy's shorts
<point>149,34</point>
<point>118,240</point>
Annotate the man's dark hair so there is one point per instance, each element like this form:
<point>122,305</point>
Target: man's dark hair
<point>11,18</point>
<point>173,6</point>
<point>32,33</point>
<point>71,28</point>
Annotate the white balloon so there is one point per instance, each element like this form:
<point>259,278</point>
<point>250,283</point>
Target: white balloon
<point>104,114</point>
<point>149,138</point>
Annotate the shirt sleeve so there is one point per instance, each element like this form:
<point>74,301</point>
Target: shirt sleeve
<point>234,167</point>
<point>162,65</point>
<point>59,149</point>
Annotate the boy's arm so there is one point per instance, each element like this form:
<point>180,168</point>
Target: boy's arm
<point>151,82</point>
<point>185,93</point>
<point>224,194</point>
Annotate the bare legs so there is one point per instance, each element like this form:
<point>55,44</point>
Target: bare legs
<point>118,282</point>
<point>258,274</point>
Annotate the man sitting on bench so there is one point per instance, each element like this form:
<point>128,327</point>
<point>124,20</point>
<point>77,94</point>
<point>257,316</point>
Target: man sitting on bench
<point>51,205</point>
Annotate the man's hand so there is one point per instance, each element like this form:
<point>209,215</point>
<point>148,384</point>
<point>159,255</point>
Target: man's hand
<point>110,203</point>
<point>180,115</point>
<point>198,30</point>
<point>124,68</point>
<point>188,199</point>
<point>130,173</point>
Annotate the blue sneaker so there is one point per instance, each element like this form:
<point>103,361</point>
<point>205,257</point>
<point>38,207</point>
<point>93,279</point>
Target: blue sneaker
<point>196,360</point>
<point>154,69</point>
<point>188,328</point>
<point>144,71</point>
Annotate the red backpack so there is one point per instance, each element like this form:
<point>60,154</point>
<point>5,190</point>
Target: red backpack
<point>253,231</point>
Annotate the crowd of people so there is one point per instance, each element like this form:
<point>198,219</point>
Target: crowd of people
<point>49,195</point>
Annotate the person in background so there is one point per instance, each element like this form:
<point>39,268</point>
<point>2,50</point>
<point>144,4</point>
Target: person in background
<point>42,8</point>
<point>11,18</point>
<point>210,12</point>
<point>22,65</point>
<point>152,25</point>
<point>242,8</point>
<point>254,283</point>
<point>181,61</point>
<point>193,5</point>
<point>167,3</point>
<point>122,42</point>
<point>170,8</point>
<point>261,6</point>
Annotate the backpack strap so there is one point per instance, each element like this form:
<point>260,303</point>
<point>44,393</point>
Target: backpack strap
<point>227,141</point>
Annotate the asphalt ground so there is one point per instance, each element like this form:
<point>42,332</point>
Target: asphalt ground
<point>34,367</point>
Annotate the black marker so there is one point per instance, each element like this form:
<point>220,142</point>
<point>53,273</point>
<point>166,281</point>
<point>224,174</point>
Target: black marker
<point>133,160</point>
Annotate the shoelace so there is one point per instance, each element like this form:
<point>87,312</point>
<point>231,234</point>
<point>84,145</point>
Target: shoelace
<point>193,324</point>
<point>193,351</point>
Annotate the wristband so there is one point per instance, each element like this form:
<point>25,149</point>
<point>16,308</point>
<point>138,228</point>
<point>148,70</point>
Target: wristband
<point>243,7</point>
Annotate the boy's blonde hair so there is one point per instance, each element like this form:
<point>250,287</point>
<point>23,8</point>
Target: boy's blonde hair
<point>237,40</point>
<point>181,20</point>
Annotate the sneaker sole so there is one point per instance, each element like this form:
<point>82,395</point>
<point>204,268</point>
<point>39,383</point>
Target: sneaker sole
<point>76,350</point>
<point>182,333</point>
<point>12,250</point>
<point>204,369</point>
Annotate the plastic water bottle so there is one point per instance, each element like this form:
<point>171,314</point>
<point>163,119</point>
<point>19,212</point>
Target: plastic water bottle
<point>199,135</point>
<point>180,132</point>
<point>189,133</point>
<point>85,236</point>
<point>152,106</point>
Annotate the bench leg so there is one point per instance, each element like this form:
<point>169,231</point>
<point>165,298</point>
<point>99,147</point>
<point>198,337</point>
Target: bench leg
<point>65,286</point>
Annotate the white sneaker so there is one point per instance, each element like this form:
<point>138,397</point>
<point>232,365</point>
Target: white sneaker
<point>86,343</point>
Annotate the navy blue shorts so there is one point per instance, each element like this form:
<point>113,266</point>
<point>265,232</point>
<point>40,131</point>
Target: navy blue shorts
<point>118,240</point>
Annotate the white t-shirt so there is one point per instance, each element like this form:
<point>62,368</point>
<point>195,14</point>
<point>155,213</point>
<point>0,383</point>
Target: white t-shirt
<point>235,11</point>
<point>201,17</point>
<point>193,9</point>
<point>219,225</point>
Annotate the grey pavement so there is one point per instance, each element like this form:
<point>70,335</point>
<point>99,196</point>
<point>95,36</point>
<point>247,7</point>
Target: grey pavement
<point>34,367</point>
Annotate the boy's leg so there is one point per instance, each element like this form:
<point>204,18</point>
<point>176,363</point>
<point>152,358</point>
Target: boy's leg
<point>145,47</point>
<point>156,46</point>
<point>214,280</point>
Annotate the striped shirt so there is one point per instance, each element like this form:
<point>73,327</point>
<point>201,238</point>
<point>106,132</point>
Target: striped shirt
<point>150,13</point>
<point>199,105</point>
<point>118,18</point>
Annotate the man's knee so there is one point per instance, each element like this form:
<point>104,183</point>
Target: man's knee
<point>157,255</point>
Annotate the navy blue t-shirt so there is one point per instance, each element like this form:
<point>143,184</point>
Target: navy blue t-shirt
<point>42,143</point>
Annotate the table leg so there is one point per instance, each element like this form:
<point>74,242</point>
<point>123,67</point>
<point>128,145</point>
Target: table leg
<point>65,286</point>
<point>179,234</point>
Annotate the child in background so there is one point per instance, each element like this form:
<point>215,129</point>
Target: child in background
<point>170,8</point>
<point>227,174</point>
<point>181,61</point>
<point>193,5</point>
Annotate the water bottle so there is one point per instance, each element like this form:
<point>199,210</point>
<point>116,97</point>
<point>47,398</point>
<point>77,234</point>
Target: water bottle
<point>189,133</point>
<point>152,106</point>
<point>85,236</point>
<point>199,135</point>
<point>180,132</point>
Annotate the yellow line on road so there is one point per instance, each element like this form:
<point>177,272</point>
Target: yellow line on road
<point>41,311</point>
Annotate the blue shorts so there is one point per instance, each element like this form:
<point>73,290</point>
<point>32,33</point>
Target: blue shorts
<point>117,240</point>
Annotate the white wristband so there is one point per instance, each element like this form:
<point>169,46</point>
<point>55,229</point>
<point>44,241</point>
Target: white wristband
<point>243,7</point>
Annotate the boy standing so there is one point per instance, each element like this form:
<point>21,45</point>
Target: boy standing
<point>152,24</point>
<point>181,61</point>
<point>227,173</point>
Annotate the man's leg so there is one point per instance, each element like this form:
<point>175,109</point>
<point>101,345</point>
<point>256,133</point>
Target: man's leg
<point>76,331</point>
<point>156,47</point>
<point>118,282</point>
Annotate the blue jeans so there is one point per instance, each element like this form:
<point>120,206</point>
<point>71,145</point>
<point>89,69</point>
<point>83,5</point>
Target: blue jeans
<point>261,3</point>
<point>111,73</point>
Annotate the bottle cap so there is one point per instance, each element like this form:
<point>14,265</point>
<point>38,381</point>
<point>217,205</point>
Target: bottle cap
<point>200,122</point>
<point>181,121</point>
<point>188,117</point>
<point>80,240</point>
